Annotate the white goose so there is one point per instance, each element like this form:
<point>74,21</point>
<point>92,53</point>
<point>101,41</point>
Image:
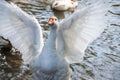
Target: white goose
<point>65,45</point>
<point>63,5</point>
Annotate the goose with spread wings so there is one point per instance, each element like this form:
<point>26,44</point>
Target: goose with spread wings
<point>66,42</point>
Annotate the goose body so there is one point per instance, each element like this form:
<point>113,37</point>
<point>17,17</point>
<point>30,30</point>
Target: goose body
<point>66,43</point>
<point>62,5</point>
<point>45,67</point>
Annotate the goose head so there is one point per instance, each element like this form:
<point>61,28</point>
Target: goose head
<point>73,5</point>
<point>53,22</point>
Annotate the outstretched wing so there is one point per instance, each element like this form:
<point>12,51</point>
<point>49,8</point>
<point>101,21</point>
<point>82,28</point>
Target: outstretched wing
<point>23,30</point>
<point>79,30</point>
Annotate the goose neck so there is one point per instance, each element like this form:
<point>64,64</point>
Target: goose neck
<point>52,38</point>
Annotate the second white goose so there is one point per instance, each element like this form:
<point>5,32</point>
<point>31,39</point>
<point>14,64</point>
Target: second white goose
<point>62,5</point>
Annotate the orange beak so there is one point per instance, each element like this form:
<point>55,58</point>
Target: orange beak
<point>51,21</point>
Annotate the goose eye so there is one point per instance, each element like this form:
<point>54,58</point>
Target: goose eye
<point>55,19</point>
<point>56,4</point>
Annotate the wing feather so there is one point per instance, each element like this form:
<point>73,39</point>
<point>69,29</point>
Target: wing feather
<point>23,30</point>
<point>79,30</point>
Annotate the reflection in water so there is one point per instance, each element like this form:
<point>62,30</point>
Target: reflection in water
<point>99,63</point>
<point>59,14</point>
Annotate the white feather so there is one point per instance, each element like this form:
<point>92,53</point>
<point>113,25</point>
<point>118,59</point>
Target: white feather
<point>21,29</point>
<point>79,30</point>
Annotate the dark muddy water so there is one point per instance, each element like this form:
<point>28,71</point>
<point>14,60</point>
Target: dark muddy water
<point>102,59</point>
